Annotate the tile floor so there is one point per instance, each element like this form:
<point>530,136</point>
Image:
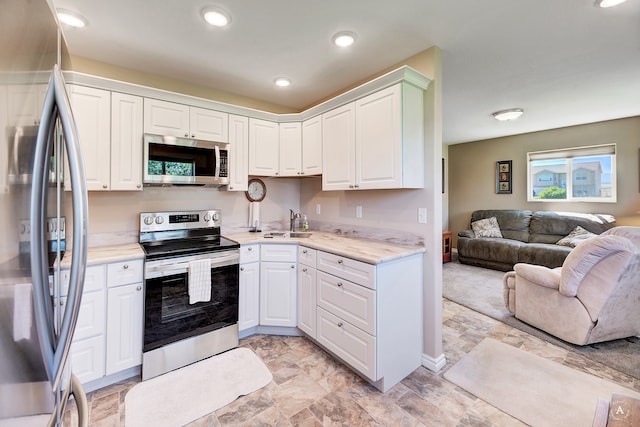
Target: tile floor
<point>310,388</point>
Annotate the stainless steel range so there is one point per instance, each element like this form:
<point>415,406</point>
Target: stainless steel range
<point>191,295</point>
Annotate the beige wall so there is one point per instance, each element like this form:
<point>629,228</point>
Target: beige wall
<point>472,171</point>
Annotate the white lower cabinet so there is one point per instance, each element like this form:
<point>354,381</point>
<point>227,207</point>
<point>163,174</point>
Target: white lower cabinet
<point>124,328</point>
<point>307,291</point>
<point>278,278</point>
<point>370,316</point>
<point>108,336</point>
<point>249,296</point>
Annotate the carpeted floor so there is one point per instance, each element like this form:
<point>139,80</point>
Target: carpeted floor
<point>480,289</point>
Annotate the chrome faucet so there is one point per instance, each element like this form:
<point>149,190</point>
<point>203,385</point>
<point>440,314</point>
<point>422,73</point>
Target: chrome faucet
<point>292,218</point>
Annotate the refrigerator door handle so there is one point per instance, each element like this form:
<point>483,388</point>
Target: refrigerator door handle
<point>56,349</point>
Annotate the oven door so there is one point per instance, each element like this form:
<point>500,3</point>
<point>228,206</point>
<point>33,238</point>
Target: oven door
<point>169,316</point>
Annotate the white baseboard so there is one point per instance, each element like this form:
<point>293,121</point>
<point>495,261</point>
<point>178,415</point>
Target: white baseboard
<point>434,364</point>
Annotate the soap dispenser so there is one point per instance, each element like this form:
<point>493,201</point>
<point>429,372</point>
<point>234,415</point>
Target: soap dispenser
<point>305,223</point>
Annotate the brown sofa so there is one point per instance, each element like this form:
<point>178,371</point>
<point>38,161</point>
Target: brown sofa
<point>527,237</point>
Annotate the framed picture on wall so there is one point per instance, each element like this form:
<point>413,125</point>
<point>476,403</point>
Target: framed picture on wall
<point>503,177</point>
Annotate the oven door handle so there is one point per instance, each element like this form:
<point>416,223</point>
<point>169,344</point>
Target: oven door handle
<point>163,268</point>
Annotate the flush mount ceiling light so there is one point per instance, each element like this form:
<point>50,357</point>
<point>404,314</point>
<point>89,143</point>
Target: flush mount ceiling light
<point>510,114</point>
<point>70,18</point>
<point>216,16</point>
<point>282,82</point>
<point>608,3</point>
<point>344,39</point>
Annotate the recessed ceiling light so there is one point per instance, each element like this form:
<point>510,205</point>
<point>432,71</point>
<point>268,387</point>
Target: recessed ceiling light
<point>608,3</point>
<point>216,16</point>
<point>71,18</point>
<point>344,39</point>
<point>282,82</point>
<point>510,114</point>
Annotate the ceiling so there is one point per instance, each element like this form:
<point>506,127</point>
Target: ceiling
<point>564,62</point>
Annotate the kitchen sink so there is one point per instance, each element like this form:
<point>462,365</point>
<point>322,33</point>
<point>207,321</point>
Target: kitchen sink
<point>288,234</point>
<point>300,234</point>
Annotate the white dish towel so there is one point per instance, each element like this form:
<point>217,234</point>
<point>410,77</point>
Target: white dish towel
<point>199,281</point>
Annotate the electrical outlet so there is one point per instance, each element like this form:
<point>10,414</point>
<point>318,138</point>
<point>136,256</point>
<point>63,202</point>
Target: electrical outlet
<point>422,215</point>
<point>358,211</point>
<point>317,208</point>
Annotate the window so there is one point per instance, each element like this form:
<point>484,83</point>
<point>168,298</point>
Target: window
<point>583,174</point>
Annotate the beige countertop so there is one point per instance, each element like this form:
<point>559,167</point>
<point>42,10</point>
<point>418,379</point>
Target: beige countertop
<point>365,250</point>
<point>107,254</point>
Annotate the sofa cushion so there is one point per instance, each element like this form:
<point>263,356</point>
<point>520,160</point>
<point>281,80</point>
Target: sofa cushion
<point>487,227</point>
<point>549,227</point>
<point>513,223</point>
<point>546,254</point>
<point>490,249</point>
<point>577,236</point>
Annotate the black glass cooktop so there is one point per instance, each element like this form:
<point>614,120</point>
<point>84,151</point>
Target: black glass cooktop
<point>187,246</point>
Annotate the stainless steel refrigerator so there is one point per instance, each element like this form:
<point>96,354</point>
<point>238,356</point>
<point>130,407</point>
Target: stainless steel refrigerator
<point>39,151</point>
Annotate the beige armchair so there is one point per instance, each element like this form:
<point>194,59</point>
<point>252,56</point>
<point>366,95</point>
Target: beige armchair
<point>593,297</point>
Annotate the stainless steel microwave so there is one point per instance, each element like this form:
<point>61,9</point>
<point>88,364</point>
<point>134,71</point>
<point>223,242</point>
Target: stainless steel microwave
<point>174,160</point>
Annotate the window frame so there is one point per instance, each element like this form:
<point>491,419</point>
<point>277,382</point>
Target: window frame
<point>568,155</point>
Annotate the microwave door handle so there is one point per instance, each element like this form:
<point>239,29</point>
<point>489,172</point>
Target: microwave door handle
<point>80,219</point>
<point>16,149</point>
<point>217,172</point>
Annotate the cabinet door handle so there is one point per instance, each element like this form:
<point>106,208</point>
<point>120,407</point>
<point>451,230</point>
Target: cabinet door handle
<point>304,270</point>
<point>249,249</point>
<point>339,284</point>
<point>304,251</point>
<point>340,261</point>
<point>339,324</point>
<point>126,266</point>
<point>138,288</point>
<point>293,266</point>
<point>241,268</point>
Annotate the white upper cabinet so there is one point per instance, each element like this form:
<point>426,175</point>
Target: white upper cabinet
<point>238,153</point>
<point>290,149</point>
<point>126,142</point>
<point>92,112</point>
<point>312,146</point>
<point>172,119</point>
<point>338,148</point>
<point>376,142</point>
<point>264,147</point>
<point>110,131</point>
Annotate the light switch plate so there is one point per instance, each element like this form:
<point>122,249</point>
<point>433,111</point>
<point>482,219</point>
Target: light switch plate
<point>422,215</point>
<point>358,211</point>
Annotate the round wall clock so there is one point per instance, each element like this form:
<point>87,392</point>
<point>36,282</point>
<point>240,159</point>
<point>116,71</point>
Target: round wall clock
<point>256,190</point>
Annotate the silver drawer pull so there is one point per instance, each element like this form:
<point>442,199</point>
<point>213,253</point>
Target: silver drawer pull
<point>125,266</point>
<point>249,249</point>
<point>339,261</point>
<point>304,270</point>
<point>138,288</point>
<point>293,266</point>
<point>339,324</point>
<point>339,284</point>
<point>241,268</point>
<point>304,251</point>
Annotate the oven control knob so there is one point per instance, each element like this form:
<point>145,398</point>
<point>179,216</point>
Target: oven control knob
<point>216,216</point>
<point>159,220</point>
<point>207,217</point>
<point>148,220</point>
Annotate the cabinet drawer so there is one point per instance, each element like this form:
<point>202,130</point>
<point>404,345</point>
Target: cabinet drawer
<point>91,315</point>
<point>351,344</point>
<point>358,272</point>
<point>351,302</point>
<point>123,273</point>
<point>278,253</point>
<point>94,279</point>
<point>307,256</point>
<point>249,253</point>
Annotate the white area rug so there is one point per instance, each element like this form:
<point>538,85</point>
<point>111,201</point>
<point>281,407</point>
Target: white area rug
<point>186,394</point>
<point>537,391</point>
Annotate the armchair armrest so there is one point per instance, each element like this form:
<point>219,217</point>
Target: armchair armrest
<point>466,233</point>
<point>539,275</point>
